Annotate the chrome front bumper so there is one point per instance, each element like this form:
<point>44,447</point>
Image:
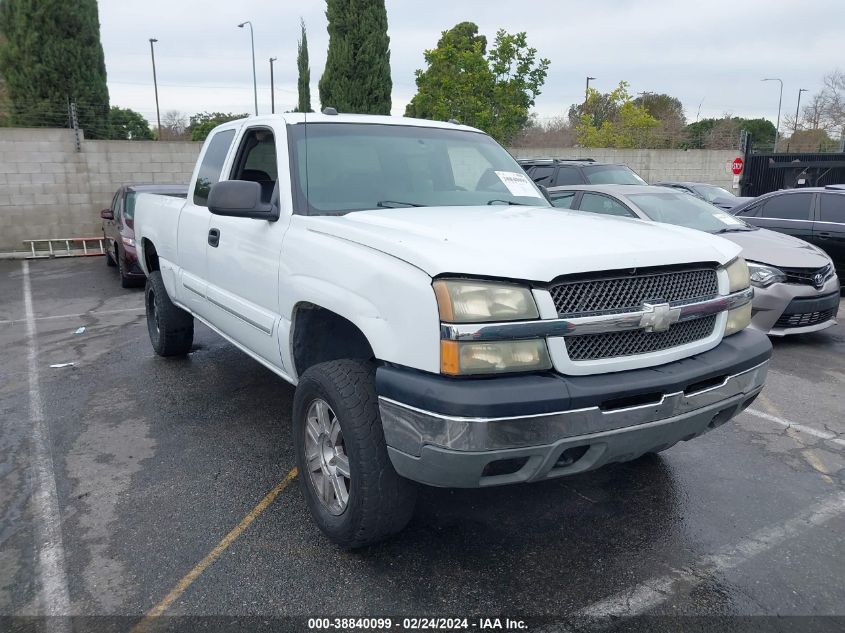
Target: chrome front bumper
<point>453,451</point>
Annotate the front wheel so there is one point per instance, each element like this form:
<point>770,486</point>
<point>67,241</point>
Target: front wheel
<point>171,328</point>
<point>353,492</point>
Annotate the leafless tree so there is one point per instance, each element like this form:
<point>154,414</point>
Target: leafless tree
<point>174,126</point>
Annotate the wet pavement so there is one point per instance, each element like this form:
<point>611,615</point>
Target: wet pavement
<point>156,460</point>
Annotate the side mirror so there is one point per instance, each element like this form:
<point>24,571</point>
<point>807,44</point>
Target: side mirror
<point>107,214</point>
<point>240,199</point>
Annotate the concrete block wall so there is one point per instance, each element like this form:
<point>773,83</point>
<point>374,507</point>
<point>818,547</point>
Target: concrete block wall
<point>654,165</point>
<point>48,189</point>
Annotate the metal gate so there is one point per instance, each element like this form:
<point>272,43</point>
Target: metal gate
<point>769,172</point>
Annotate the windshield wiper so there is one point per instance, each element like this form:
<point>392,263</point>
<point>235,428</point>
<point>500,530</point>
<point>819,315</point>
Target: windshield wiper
<point>396,204</point>
<point>737,229</point>
<point>508,202</point>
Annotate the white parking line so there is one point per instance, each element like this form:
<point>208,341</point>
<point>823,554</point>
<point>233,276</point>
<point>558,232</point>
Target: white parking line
<point>139,310</point>
<point>801,428</point>
<point>652,593</point>
<point>55,598</point>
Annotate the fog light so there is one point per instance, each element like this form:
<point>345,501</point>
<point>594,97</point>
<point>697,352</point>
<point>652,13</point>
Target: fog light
<point>460,358</point>
<point>738,319</point>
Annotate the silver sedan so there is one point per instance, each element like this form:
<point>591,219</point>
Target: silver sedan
<point>796,289</point>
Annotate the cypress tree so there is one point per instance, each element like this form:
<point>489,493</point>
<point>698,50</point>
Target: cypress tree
<point>51,54</point>
<point>303,83</point>
<point>357,74</point>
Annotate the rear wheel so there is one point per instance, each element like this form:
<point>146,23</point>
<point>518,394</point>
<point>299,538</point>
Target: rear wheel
<point>171,328</point>
<point>110,260</point>
<point>354,494</point>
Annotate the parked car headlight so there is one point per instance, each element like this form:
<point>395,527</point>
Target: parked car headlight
<point>737,275</point>
<point>466,301</point>
<point>128,241</point>
<point>470,357</point>
<point>764,276</point>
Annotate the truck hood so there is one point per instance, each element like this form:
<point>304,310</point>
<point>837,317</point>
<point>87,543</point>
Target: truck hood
<point>777,249</point>
<point>531,243</point>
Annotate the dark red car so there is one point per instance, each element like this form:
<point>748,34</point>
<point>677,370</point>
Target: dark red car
<point>119,230</point>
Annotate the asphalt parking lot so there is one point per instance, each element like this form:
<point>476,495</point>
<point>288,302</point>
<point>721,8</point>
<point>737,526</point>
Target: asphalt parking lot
<point>156,461</point>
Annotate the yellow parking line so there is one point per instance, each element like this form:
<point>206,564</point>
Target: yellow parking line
<point>213,555</point>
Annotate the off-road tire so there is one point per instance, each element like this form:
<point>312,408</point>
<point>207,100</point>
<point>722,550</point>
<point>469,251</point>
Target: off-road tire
<point>171,328</point>
<point>380,501</point>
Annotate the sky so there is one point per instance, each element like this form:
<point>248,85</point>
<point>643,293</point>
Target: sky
<point>710,54</point>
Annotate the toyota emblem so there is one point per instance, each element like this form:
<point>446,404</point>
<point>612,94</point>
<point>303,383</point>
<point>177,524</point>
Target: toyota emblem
<point>818,280</point>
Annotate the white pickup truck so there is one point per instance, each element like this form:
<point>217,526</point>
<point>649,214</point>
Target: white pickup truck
<point>442,322</point>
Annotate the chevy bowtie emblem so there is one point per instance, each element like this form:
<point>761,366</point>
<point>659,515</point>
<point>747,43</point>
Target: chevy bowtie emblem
<point>659,317</point>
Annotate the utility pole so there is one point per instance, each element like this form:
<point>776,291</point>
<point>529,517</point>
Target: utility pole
<point>795,127</point>
<point>780,100</point>
<point>155,85</point>
<point>272,88</point>
<point>252,43</point>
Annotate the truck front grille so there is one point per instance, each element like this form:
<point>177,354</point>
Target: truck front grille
<point>617,292</point>
<point>630,342</point>
<point>627,292</point>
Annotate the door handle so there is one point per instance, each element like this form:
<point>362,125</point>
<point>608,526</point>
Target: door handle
<point>214,237</point>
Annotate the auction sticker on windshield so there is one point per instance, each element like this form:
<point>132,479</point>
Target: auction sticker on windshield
<point>727,218</point>
<point>518,184</point>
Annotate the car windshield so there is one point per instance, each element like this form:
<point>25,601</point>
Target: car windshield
<point>343,167</point>
<point>129,205</point>
<point>684,210</point>
<point>612,175</point>
<point>712,192</point>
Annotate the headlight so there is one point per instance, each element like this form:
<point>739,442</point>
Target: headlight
<point>129,241</point>
<point>465,301</point>
<point>764,276</point>
<point>461,358</point>
<point>738,319</point>
<point>737,275</point>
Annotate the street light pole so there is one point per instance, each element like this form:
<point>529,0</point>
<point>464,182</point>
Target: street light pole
<point>155,83</point>
<point>272,88</point>
<point>795,127</point>
<point>252,43</point>
<point>780,100</point>
<point>587,89</point>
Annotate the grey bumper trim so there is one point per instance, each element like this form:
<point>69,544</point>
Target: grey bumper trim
<point>596,324</point>
<point>408,429</point>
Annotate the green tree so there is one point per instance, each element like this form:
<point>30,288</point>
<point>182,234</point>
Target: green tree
<point>128,125</point>
<point>632,126</point>
<point>202,123</point>
<point>491,91</point>
<point>51,54</point>
<point>303,83</point>
<point>357,73</point>
<point>724,133</point>
<point>662,107</point>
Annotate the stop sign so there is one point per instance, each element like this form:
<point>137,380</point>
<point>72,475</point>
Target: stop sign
<point>736,166</point>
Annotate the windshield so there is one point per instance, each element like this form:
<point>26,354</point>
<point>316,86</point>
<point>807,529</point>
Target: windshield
<point>343,167</point>
<point>684,210</point>
<point>612,175</point>
<point>712,192</point>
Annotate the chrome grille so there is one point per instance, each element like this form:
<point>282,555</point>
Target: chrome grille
<point>805,319</point>
<point>627,293</point>
<point>630,342</point>
<point>805,276</point>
